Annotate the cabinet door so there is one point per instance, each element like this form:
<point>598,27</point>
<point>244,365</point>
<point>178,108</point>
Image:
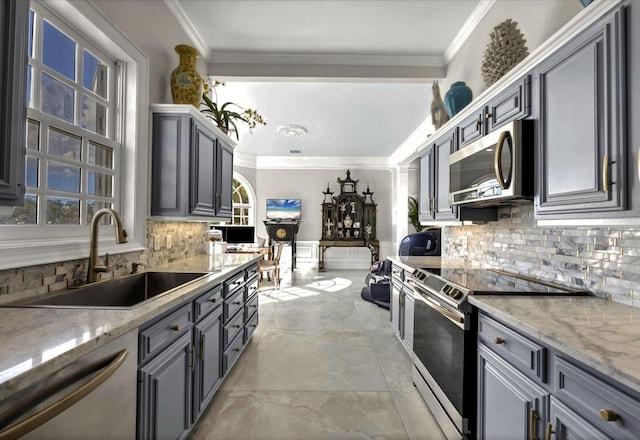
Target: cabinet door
<point>203,171</point>
<point>443,148</point>
<point>224,180</point>
<point>566,424</point>
<point>207,339</point>
<point>14,16</point>
<point>472,128</point>
<point>426,186</point>
<point>510,405</point>
<point>408,318</point>
<point>582,123</point>
<point>170,165</point>
<point>394,305</point>
<point>164,393</point>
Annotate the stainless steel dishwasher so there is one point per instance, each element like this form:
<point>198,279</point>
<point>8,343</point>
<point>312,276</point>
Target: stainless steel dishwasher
<point>93,398</point>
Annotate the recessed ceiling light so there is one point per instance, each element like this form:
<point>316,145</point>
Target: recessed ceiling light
<point>295,151</point>
<point>292,130</point>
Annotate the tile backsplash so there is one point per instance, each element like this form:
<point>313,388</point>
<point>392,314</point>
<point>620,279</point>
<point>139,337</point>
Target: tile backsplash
<point>187,240</point>
<point>602,259</point>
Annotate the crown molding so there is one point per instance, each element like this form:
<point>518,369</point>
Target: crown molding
<point>467,29</point>
<point>244,159</point>
<point>188,27</point>
<point>322,163</point>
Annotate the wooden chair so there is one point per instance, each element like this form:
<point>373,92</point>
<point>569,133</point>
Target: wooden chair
<point>271,265</point>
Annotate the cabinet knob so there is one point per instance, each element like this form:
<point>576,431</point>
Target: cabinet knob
<point>237,326</point>
<point>237,302</point>
<point>608,415</point>
<point>478,123</point>
<point>213,300</point>
<point>498,341</point>
<point>175,328</point>
<point>488,115</point>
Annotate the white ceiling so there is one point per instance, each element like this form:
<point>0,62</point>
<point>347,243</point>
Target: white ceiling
<point>356,73</point>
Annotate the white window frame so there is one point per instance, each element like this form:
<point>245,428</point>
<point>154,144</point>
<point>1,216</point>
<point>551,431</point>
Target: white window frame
<point>18,246</point>
<point>252,197</point>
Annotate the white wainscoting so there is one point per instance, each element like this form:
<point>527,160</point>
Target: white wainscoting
<point>340,258</point>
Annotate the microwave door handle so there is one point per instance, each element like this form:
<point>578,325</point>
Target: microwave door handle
<point>498,159</point>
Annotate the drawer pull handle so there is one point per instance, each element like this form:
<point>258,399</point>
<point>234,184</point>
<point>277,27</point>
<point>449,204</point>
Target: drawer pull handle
<point>236,349</point>
<point>213,300</point>
<point>236,326</point>
<point>549,431</point>
<point>608,415</point>
<point>498,341</point>
<point>237,302</point>
<point>254,306</point>
<point>533,416</point>
<point>488,115</point>
<point>175,328</point>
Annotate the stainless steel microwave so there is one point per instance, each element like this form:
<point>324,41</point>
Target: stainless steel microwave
<point>497,169</point>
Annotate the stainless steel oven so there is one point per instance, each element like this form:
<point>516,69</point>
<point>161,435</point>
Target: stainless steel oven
<point>496,169</point>
<point>445,333</point>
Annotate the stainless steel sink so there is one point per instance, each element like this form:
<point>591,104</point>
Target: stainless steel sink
<point>125,292</point>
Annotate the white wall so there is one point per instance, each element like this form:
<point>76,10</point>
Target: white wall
<point>537,20</point>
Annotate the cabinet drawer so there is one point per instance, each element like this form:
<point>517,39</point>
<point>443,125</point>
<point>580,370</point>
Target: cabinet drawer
<point>251,288</point>
<point>232,328</point>
<point>527,355</point>
<point>233,304</point>
<point>397,273</point>
<point>233,284</point>
<point>250,307</point>
<point>595,398</point>
<point>207,302</point>
<point>230,355</point>
<point>159,334</point>
<point>250,327</point>
<point>251,271</point>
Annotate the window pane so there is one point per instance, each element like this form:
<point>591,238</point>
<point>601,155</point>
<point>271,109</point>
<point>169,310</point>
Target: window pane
<point>32,172</point>
<point>33,135</point>
<point>64,144</point>
<point>94,206</point>
<point>29,88</point>
<point>58,51</point>
<point>94,74</point>
<point>30,46</point>
<point>63,211</point>
<point>24,216</point>
<point>93,116</point>
<point>99,184</point>
<point>57,98</point>
<point>62,177</point>
<point>100,155</point>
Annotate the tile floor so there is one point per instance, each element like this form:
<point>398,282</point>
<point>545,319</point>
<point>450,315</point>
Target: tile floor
<point>323,364</point>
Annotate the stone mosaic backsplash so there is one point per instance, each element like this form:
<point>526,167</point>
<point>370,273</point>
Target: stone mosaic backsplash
<point>603,260</point>
<point>187,241</point>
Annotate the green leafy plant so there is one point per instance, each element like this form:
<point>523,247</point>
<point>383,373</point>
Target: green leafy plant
<point>413,214</point>
<point>226,115</point>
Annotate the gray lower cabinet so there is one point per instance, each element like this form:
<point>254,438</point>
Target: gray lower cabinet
<point>185,353</point>
<point>14,32</point>
<point>506,397</point>
<point>425,204</point>
<point>527,390</point>
<point>581,93</point>
<point>402,306</point>
<point>164,392</point>
<point>191,167</point>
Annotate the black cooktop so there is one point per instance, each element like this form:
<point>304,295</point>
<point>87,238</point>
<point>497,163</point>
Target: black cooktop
<point>480,281</point>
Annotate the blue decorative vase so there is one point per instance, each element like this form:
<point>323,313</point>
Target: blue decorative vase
<point>457,98</point>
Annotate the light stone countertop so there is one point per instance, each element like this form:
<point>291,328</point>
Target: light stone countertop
<point>595,331</point>
<point>34,342</point>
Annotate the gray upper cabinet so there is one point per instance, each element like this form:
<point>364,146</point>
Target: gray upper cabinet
<point>581,93</point>
<point>14,31</point>
<point>191,166</point>
<point>434,180</point>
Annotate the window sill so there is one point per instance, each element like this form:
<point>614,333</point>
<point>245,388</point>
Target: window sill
<point>23,253</point>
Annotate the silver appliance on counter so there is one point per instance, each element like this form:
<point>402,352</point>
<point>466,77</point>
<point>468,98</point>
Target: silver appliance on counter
<point>497,169</point>
<point>444,338</point>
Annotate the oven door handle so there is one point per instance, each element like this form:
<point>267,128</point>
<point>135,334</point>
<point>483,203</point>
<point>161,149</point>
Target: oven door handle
<point>454,318</point>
